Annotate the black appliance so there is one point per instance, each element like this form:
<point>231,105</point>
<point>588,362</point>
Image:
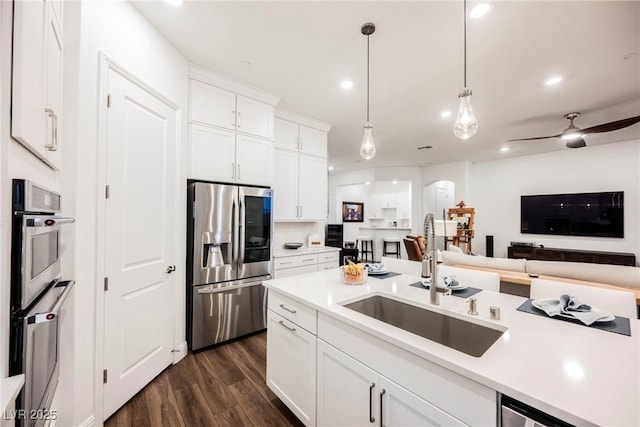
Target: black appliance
<point>334,235</point>
<point>580,214</point>
<point>37,297</point>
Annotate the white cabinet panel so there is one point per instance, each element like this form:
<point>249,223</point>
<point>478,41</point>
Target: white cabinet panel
<point>285,185</point>
<point>253,160</point>
<point>291,368</point>
<point>254,117</point>
<point>346,389</point>
<point>327,265</point>
<point>312,192</point>
<point>295,271</point>
<point>286,135</point>
<point>37,79</point>
<point>294,311</point>
<point>388,200</point>
<point>212,156</point>
<point>313,141</point>
<point>212,106</point>
<point>400,407</point>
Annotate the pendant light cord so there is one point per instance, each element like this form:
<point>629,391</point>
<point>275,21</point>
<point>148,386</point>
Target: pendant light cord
<point>465,43</point>
<point>367,78</point>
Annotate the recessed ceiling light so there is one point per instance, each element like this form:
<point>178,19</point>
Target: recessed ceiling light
<point>330,168</point>
<point>175,2</point>
<point>367,183</point>
<point>346,84</point>
<point>446,113</point>
<point>395,182</point>
<point>553,81</point>
<point>503,149</point>
<point>480,10</point>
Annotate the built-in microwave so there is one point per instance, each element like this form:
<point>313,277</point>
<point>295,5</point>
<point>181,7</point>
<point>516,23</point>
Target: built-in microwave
<point>35,254</point>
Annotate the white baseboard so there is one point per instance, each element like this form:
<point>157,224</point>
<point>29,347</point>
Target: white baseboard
<point>180,352</point>
<point>91,421</point>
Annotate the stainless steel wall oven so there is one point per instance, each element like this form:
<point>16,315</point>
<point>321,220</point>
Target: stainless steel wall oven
<point>37,296</point>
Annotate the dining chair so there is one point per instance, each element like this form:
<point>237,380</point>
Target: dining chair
<point>474,278</point>
<point>617,302</point>
<point>402,266</point>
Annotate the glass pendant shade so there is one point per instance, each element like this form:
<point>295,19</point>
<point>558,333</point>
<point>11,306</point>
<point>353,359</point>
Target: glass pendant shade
<point>367,149</point>
<point>466,123</point>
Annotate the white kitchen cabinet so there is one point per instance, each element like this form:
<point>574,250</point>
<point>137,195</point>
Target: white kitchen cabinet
<point>388,200</point>
<point>291,367</point>
<point>218,107</point>
<point>295,264</point>
<point>221,155</point>
<point>312,188</point>
<point>350,393</point>
<point>300,187</point>
<point>403,208</point>
<point>346,389</point>
<point>37,78</point>
<point>303,139</point>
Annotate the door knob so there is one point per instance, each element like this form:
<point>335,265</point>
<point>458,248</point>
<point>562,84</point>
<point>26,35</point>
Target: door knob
<point>171,269</point>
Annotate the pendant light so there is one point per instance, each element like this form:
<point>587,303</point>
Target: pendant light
<point>367,149</point>
<point>466,123</point>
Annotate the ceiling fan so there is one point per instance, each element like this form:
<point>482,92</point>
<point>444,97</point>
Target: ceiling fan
<point>573,134</point>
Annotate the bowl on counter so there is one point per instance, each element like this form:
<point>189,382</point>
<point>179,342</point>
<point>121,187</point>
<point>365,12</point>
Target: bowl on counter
<point>353,274</point>
<point>292,245</point>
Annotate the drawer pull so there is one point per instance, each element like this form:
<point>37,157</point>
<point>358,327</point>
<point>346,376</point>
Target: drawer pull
<point>287,309</point>
<point>288,327</point>
<point>308,259</point>
<point>286,263</point>
<point>372,419</point>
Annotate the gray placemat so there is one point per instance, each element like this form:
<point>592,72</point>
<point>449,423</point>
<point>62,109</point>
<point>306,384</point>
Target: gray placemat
<point>385,275</point>
<point>620,325</point>
<point>462,293</point>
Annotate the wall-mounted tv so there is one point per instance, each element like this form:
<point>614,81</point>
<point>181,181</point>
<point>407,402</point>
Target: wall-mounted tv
<point>582,214</point>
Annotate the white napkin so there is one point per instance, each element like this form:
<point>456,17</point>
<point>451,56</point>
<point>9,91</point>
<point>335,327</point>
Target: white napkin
<point>569,306</point>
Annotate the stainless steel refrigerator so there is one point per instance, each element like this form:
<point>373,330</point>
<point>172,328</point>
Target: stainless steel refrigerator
<point>229,233</point>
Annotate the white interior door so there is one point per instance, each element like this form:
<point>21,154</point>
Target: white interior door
<point>140,209</point>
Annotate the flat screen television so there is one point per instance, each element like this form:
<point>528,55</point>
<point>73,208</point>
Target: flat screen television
<point>581,214</point>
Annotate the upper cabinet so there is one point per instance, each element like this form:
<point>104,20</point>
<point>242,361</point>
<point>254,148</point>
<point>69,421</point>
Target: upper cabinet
<point>213,106</point>
<point>300,179</point>
<point>304,139</point>
<point>230,131</point>
<point>37,78</point>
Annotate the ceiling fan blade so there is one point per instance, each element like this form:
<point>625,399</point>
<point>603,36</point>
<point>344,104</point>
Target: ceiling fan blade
<point>531,139</point>
<point>576,143</point>
<point>611,126</point>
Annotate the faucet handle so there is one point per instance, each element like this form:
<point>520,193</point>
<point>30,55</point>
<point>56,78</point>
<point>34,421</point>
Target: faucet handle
<point>472,307</point>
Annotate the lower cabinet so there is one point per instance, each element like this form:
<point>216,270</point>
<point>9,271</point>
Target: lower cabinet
<point>350,393</point>
<point>291,366</point>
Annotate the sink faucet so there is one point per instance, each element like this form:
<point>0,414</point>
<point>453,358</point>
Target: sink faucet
<point>429,261</point>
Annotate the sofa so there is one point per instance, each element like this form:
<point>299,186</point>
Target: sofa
<point>616,275</point>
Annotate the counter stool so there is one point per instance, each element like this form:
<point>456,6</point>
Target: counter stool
<point>395,246</point>
<point>366,248</point>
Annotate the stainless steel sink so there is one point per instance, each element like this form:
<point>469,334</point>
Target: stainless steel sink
<point>465,336</point>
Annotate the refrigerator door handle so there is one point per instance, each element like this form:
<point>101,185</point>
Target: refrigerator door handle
<point>228,288</point>
<point>241,232</point>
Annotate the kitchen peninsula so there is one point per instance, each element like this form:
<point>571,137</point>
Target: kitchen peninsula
<point>345,364</point>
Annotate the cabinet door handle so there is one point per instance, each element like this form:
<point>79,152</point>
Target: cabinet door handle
<point>53,145</point>
<point>301,144</point>
<point>297,211</point>
<point>382,392</point>
<point>372,419</point>
<point>233,170</point>
<point>287,309</point>
<point>300,211</point>
<point>238,174</point>
<point>288,327</point>
<point>239,120</point>
<point>233,118</point>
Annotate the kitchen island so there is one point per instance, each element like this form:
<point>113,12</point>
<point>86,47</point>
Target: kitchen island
<point>578,374</point>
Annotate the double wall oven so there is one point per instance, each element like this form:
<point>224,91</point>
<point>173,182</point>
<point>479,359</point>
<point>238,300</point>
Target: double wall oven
<point>228,256</point>
<point>37,297</point>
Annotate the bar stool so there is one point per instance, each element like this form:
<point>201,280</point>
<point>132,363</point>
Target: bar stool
<point>366,248</point>
<point>395,246</point>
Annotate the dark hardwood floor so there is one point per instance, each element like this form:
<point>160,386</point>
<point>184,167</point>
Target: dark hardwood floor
<point>220,386</point>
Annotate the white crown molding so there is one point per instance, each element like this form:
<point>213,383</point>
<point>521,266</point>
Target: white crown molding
<point>205,75</point>
<point>89,422</point>
<point>303,120</point>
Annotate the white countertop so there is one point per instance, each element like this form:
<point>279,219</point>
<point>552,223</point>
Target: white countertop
<point>582,375</point>
<point>304,250</point>
<point>9,389</point>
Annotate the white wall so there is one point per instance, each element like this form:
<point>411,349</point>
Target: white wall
<point>118,31</point>
<point>497,186</point>
<point>296,232</point>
